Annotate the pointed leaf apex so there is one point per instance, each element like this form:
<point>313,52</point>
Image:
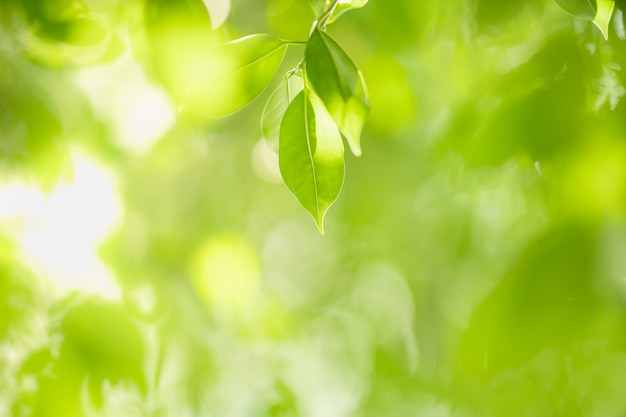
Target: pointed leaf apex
<point>603,16</point>
<point>320,225</point>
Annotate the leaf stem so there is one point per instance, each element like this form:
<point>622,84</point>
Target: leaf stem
<point>296,69</point>
<point>323,21</point>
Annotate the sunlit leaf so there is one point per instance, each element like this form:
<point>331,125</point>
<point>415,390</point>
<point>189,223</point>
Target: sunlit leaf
<point>598,11</point>
<point>584,9</point>
<point>242,70</point>
<point>275,109</point>
<point>345,5</point>
<point>311,155</point>
<point>319,6</point>
<point>339,84</point>
<point>603,16</point>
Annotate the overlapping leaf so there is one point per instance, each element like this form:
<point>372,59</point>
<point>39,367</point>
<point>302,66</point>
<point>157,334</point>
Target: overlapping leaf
<point>311,155</point>
<point>584,9</point>
<point>241,70</point>
<point>344,6</point>
<point>319,6</point>
<point>208,80</point>
<point>339,84</point>
<point>276,106</point>
<point>603,16</point>
<point>598,11</point>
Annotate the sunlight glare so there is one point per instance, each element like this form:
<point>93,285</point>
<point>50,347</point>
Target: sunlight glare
<point>60,232</point>
<point>120,93</point>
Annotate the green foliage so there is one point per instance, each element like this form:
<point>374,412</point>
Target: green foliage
<point>584,9</point>
<point>598,11</point>
<point>242,69</point>
<point>339,83</point>
<point>603,16</point>
<point>153,263</point>
<point>276,107</point>
<point>311,154</point>
<point>344,6</point>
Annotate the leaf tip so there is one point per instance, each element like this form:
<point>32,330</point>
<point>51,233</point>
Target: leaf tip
<point>319,221</point>
<point>603,16</point>
<point>604,32</point>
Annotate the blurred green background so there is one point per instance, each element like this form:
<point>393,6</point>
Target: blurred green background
<point>152,263</point>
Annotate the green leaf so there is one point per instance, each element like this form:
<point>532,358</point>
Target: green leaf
<point>346,5</point>
<point>240,71</point>
<point>276,106</point>
<point>598,11</point>
<point>319,6</point>
<point>339,84</point>
<point>584,9</point>
<point>311,155</point>
<point>603,16</point>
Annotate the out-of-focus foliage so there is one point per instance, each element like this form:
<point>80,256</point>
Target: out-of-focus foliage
<point>152,263</point>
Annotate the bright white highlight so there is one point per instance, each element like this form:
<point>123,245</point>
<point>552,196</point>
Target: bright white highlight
<point>143,115</point>
<point>265,163</point>
<point>139,112</point>
<point>218,10</point>
<point>60,233</point>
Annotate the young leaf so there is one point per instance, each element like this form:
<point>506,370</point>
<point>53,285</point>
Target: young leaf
<point>241,70</point>
<point>603,16</point>
<point>276,106</point>
<point>339,84</point>
<point>584,9</point>
<point>311,155</point>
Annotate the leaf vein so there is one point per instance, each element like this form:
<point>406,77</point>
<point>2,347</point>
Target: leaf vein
<point>308,144</point>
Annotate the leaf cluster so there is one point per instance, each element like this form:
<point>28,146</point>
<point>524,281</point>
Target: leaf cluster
<point>321,100</point>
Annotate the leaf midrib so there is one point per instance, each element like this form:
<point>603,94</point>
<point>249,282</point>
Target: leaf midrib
<point>594,8</point>
<point>342,83</point>
<point>249,64</point>
<point>305,97</point>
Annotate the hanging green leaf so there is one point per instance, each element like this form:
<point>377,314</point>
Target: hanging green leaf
<point>240,70</point>
<point>584,9</point>
<point>603,16</point>
<point>276,106</point>
<point>339,84</point>
<point>311,155</point>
